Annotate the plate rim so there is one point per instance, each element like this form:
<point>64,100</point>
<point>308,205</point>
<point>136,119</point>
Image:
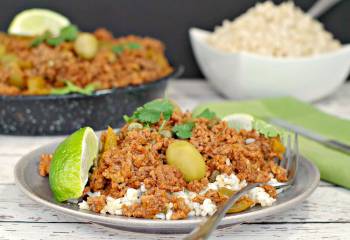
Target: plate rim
<point>139,223</point>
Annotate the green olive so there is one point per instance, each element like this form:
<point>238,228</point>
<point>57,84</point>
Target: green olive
<point>134,125</point>
<point>185,157</point>
<point>86,45</point>
<point>166,133</point>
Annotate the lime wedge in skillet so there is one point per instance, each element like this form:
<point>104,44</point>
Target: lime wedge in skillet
<point>71,162</point>
<point>240,121</point>
<point>36,21</point>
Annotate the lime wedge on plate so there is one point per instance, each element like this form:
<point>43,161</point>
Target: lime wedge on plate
<point>71,163</point>
<point>240,121</point>
<point>36,21</point>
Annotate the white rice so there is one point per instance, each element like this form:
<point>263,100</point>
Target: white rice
<point>249,140</point>
<point>207,208</point>
<point>259,195</point>
<point>274,30</point>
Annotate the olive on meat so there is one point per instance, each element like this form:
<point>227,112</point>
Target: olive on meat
<point>185,157</point>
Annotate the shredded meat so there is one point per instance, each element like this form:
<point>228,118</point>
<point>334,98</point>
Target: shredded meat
<point>180,209</point>
<point>57,64</point>
<point>270,190</point>
<point>197,185</point>
<point>44,164</point>
<point>151,204</point>
<point>97,203</point>
<point>252,162</point>
<point>138,158</point>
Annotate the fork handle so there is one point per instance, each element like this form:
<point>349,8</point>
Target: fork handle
<point>320,7</point>
<point>338,146</point>
<point>205,228</point>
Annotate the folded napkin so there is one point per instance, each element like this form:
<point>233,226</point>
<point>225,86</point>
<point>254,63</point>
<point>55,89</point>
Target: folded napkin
<point>333,165</point>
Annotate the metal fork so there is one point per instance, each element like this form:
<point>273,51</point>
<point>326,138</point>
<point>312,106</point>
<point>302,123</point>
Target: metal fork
<point>289,162</point>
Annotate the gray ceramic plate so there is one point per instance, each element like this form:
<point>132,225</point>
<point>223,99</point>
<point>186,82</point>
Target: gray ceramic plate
<point>37,188</point>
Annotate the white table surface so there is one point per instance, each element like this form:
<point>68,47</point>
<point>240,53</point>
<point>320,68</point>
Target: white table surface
<point>326,214</point>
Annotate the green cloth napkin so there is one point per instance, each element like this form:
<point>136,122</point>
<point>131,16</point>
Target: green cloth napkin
<point>333,165</point>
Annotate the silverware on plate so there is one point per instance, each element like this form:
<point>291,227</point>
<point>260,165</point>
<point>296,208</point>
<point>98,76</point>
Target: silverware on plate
<point>311,135</point>
<point>289,162</point>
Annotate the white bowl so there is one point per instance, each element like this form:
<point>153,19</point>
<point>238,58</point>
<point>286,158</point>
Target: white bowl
<point>247,75</point>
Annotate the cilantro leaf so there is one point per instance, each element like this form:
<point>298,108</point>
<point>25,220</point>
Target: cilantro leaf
<point>55,41</point>
<point>90,88</point>
<point>207,114</point>
<point>119,49</point>
<point>148,115</point>
<point>69,33</point>
<point>266,129</point>
<point>40,39</point>
<point>127,119</point>
<point>133,45</point>
<point>152,111</point>
<point>72,88</point>
<point>184,130</point>
<point>161,105</point>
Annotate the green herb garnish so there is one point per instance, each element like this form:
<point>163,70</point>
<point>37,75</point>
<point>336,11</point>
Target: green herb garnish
<point>266,129</point>
<point>133,45</point>
<point>55,41</point>
<point>161,105</point>
<point>207,114</point>
<point>148,115</point>
<point>184,131</point>
<point>40,39</point>
<point>68,33</point>
<point>152,111</point>
<point>127,119</point>
<point>119,49</point>
<point>72,88</point>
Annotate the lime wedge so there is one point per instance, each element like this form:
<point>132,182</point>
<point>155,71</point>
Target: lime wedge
<point>36,21</point>
<point>240,121</point>
<point>71,163</point>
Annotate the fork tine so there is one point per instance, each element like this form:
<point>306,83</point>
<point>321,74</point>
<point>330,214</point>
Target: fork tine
<point>296,153</point>
<point>284,155</point>
<point>294,158</point>
<point>286,161</point>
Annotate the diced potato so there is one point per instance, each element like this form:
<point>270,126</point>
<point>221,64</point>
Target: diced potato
<point>16,75</point>
<point>25,64</point>
<point>37,85</point>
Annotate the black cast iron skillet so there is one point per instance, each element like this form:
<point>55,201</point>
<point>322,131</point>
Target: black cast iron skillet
<point>63,114</point>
